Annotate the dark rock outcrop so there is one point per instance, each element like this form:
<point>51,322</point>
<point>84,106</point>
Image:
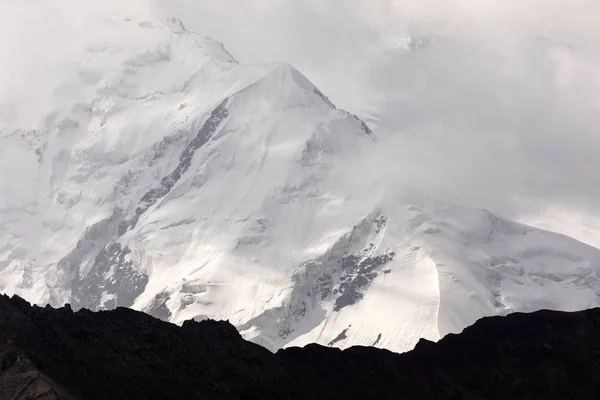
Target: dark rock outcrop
<point>50,353</point>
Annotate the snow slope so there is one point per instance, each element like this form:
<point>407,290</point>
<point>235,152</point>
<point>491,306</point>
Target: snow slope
<point>162,175</point>
<point>409,271</point>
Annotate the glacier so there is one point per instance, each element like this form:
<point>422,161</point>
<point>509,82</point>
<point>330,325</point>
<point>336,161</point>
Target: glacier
<point>163,175</point>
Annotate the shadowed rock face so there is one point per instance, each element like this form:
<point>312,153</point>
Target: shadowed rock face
<point>217,116</point>
<point>111,275</point>
<point>50,353</point>
<point>113,280</point>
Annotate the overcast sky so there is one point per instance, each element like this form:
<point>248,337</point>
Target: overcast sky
<point>500,110</point>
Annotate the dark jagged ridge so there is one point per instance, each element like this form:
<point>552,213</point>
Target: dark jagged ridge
<point>50,353</point>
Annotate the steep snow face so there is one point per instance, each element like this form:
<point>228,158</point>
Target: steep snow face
<point>108,131</point>
<point>178,181</point>
<point>162,175</point>
<point>408,271</point>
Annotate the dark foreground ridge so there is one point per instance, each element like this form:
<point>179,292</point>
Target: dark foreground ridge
<point>50,353</point>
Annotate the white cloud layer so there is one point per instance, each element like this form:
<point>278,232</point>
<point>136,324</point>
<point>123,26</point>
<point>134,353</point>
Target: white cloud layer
<point>500,110</point>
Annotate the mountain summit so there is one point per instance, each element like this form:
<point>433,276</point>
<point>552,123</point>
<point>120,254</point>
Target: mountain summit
<point>179,182</point>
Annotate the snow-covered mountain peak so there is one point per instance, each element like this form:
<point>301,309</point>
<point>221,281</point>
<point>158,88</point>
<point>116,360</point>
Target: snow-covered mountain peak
<point>156,172</point>
<point>167,158</point>
<point>213,48</point>
<point>407,271</point>
<point>216,49</point>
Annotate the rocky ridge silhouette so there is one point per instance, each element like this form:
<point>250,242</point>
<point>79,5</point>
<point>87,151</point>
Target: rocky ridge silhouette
<point>48,353</point>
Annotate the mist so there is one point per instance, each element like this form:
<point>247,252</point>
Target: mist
<point>492,104</point>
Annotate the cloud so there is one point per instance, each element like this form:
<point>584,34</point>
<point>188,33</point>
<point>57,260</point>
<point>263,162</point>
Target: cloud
<point>508,133</point>
<point>41,45</point>
<point>500,110</point>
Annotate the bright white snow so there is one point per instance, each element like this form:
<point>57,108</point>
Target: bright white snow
<point>158,173</point>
